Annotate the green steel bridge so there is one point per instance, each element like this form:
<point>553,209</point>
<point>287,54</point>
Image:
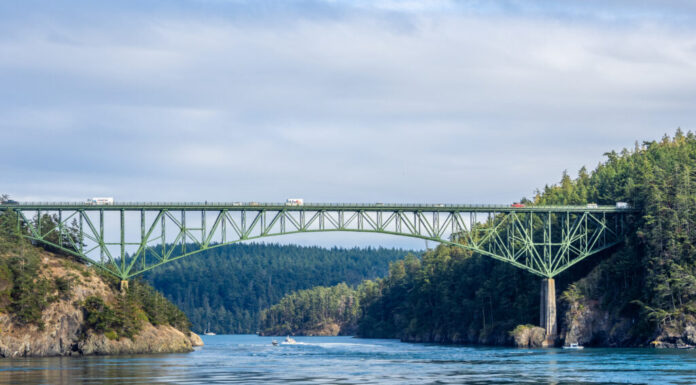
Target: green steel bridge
<point>128,239</point>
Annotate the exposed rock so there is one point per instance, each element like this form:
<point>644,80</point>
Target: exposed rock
<point>528,336</point>
<point>690,335</point>
<point>195,339</point>
<point>65,333</point>
<point>160,339</point>
<point>584,322</point>
<point>680,333</point>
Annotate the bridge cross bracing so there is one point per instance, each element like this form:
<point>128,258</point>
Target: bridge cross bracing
<point>128,239</point>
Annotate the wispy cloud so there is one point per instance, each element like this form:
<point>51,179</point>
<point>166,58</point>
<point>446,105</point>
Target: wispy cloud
<point>443,101</point>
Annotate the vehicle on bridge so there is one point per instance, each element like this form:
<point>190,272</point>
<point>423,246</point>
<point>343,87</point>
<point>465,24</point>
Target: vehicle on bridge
<point>592,206</point>
<point>544,240</point>
<point>294,202</point>
<point>8,202</point>
<point>101,201</point>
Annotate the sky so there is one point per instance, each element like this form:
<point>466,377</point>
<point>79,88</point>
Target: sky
<point>332,101</point>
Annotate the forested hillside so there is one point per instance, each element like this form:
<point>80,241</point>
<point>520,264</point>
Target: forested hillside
<point>53,305</point>
<point>226,288</point>
<point>641,293</point>
<point>317,311</point>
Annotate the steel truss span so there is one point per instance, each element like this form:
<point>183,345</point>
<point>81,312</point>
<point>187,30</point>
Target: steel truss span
<point>128,239</point>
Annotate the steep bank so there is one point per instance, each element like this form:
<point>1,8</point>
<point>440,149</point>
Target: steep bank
<point>51,305</point>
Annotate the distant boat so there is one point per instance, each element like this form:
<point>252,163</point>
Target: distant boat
<point>207,331</point>
<point>274,342</point>
<point>289,341</point>
<point>573,346</point>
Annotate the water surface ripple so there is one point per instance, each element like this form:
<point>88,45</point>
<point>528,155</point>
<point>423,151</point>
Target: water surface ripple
<point>248,359</point>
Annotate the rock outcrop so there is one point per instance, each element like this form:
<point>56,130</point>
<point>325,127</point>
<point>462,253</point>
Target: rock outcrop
<point>586,323</point>
<point>65,332</point>
<point>528,336</point>
<point>195,339</point>
<point>681,334</point>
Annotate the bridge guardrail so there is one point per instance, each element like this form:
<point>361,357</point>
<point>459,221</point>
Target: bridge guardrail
<point>317,205</point>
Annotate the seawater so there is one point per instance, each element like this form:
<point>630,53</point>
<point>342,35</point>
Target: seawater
<point>249,359</point>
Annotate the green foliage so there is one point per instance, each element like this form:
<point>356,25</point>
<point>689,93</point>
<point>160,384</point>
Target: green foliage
<point>309,311</point>
<point>448,296</point>
<point>10,235</point>
<point>30,293</point>
<point>225,289</point>
<point>157,309</point>
<point>63,285</point>
<point>112,335</point>
<point>99,316</point>
<point>125,317</point>
<point>122,318</point>
<point>655,271</point>
<point>26,292</point>
<point>47,225</point>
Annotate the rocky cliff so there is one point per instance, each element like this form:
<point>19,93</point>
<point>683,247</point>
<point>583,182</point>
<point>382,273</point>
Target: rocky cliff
<point>62,325</point>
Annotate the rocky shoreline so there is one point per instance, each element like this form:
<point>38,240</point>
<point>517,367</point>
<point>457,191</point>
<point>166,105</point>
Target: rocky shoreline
<point>64,330</point>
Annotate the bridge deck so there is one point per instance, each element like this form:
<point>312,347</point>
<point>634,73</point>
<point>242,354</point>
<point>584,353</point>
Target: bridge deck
<point>238,206</point>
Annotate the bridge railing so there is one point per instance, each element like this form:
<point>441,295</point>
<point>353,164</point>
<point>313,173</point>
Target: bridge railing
<point>316,204</point>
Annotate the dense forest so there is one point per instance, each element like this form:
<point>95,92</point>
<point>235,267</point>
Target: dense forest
<point>641,293</point>
<point>224,289</point>
<point>317,311</point>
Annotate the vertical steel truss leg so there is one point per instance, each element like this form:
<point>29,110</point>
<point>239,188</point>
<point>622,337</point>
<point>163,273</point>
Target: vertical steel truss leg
<point>542,242</point>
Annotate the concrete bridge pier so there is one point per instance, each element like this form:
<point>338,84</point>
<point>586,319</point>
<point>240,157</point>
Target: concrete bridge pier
<point>548,311</point>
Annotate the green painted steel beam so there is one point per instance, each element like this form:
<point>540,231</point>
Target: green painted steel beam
<point>231,206</point>
<point>544,240</point>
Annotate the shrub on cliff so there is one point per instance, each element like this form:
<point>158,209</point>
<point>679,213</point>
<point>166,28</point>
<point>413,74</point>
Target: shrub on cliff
<point>26,290</point>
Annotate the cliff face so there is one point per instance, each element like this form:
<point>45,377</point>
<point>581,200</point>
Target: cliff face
<point>586,323</point>
<point>65,331</point>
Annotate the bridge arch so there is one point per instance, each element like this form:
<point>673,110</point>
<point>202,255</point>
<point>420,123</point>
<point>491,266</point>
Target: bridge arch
<point>544,240</point>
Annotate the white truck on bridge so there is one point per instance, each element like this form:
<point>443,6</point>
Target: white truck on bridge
<point>101,201</point>
<point>294,202</point>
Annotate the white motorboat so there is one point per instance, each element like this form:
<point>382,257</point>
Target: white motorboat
<point>573,346</point>
<point>289,341</point>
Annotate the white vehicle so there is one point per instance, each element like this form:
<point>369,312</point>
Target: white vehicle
<point>592,206</point>
<point>622,205</point>
<point>294,202</point>
<point>101,201</point>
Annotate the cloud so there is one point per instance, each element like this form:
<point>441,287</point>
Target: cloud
<point>332,100</point>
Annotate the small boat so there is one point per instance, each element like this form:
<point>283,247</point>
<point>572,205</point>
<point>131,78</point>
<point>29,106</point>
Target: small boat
<point>207,331</point>
<point>274,343</point>
<point>573,345</point>
<point>289,341</point>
